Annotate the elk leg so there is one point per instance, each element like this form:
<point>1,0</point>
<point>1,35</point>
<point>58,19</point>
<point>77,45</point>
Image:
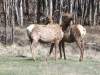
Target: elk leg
<point>63,46</point>
<point>32,50</point>
<point>81,49</point>
<point>51,49</point>
<point>60,50</point>
<point>56,48</point>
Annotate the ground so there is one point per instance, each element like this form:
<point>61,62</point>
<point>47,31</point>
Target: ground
<point>18,65</point>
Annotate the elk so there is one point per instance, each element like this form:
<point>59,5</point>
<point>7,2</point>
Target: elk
<point>72,33</point>
<point>49,20</point>
<point>44,33</point>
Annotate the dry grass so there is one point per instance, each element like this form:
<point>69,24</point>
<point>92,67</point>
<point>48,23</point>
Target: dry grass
<point>42,50</point>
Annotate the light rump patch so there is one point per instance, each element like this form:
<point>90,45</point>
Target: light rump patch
<point>30,28</point>
<point>81,29</point>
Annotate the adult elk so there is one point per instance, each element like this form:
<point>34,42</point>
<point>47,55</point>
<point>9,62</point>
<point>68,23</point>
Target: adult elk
<point>72,33</point>
<point>51,33</point>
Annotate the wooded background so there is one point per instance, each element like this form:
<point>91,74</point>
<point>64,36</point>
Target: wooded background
<point>23,12</point>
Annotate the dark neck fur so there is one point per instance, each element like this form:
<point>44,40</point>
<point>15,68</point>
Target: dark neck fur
<point>65,25</point>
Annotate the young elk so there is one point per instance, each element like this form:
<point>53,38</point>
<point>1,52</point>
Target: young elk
<point>44,33</point>
<point>72,33</point>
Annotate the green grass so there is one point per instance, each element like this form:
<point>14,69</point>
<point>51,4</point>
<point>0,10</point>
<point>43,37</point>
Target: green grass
<point>14,65</point>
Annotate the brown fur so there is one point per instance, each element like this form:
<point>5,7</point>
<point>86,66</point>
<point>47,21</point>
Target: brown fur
<point>45,33</point>
<point>71,34</point>
<point>48,20</point>
<point>74,35</point>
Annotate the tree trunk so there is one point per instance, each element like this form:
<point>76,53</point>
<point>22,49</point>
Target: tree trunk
<point>17,13</point>
<point>38,10</point>
<point>75,12</point>
<point>60,12</point>
<point>95,13</point>
<point>21,14</point>
<point>98,6</point>
<point>50,7</point>
<point>35,19</point>
<point>5,17</point>
<point>71,8</point>
<point>1,6</point>
<point>86,8</point>
<point>90,14</point>
<point>82,8</point>
<point>56,12</point>
<point>13,20</point>
<point>46,5</point>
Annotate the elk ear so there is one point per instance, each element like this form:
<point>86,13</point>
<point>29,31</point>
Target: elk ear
<point>63,14</point>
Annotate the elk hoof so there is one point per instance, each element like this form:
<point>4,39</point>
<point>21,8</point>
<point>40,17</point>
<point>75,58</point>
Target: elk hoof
<point>46,59</point>
<point>55,59</point>
<point>34,59</point>
<point>64,58</point>
<point>80,59</point>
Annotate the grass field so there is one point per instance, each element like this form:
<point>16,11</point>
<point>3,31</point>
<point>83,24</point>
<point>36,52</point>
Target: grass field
<point>18,65</point>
